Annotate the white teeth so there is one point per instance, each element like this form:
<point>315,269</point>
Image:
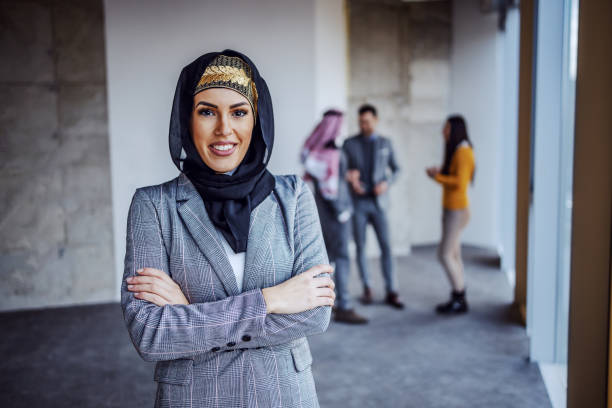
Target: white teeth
<point>223,147</point>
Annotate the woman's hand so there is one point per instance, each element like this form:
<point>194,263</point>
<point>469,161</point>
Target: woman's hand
<point>432,171</point>
<point>157,287</point>
<point>302,292</point>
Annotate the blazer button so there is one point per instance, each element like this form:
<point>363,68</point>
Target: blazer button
<point>231,344</point>
<point>246,337</point>
<point>215,349</point>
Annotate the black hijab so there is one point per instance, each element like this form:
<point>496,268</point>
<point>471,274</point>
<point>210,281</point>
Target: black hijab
<point>229,199</point>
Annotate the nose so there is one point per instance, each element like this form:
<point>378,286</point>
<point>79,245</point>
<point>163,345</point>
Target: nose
<point>223,126</point>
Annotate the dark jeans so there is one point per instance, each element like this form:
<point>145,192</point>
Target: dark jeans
<point>336,236</point>
<point>367,211</point>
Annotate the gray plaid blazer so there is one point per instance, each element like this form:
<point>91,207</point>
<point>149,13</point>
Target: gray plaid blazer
<point>223,350</point>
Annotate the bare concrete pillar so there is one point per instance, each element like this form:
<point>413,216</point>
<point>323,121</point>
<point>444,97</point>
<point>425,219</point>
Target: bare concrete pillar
<point>55,201</point>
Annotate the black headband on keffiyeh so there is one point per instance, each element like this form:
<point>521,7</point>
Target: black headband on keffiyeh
<point>229,199</point>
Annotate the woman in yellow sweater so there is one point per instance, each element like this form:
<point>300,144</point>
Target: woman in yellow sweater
<point>455,175</point>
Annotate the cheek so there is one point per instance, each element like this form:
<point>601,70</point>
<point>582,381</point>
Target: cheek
<point>201,134</point>
<point>245,136</point>
<point>244,130</point>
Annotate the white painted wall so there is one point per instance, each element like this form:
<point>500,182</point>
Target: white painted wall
<point>477,93</point>
<point>330,56</point>
<point>148,44</point>
<point>509,144</point>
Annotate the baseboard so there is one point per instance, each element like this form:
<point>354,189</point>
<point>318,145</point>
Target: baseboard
<point>555,379</point>
<point>59,305</point>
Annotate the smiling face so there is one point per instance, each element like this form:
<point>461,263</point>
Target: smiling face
<point>222,122</point>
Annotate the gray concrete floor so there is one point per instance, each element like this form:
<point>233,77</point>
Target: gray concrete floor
<point>82,356</point>
<point>414,358</point>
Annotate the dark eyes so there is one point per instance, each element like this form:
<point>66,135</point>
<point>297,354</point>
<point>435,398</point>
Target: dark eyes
<point>206,112</point>
<point>239,113</point>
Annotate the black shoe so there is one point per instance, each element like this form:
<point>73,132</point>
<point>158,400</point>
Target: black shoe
<point>392,299</point>
<point>367,298</point>
<point>349,316</point>
<point>456,305</point>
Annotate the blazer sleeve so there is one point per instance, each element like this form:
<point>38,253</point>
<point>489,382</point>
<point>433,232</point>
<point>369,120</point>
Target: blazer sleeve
<point>178,331</point>
<point>393,164</point>
<point>309,251</point>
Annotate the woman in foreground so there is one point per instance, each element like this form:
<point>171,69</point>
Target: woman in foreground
<point>226,272</point>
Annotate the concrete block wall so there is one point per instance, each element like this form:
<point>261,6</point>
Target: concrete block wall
<point>400,62</point>
<point>55,196</point>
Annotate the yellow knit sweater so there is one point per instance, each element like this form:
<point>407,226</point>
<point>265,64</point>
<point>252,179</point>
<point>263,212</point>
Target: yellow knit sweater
<point>455,184</point>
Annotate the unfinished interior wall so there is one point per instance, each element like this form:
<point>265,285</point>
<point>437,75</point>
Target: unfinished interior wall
<point>55,199</point>
<point>400,63</point>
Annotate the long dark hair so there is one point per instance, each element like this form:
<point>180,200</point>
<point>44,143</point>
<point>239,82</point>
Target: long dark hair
<point>458,133</point>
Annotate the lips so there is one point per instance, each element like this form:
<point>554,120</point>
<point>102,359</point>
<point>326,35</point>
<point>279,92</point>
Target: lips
<point>222,149</point>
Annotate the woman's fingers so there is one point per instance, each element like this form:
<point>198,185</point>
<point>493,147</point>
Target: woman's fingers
<point>323,301</point>
<point>151,297</point>
<point>324,281</point>
<point>156,273</point>
<point>302,292</point>
<point>149,284</point>
<point>153,282</point>
<point>154,276</point>
<point>319,269</point>
<point>135,280</point>
<point>143,279</point>
<point>326,292</point>
<point>153,289</point>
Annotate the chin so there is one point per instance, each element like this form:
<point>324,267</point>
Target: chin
<point>223,167</point>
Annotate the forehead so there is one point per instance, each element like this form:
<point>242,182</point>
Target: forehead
<point>219,96</point>
<point>367,116</point>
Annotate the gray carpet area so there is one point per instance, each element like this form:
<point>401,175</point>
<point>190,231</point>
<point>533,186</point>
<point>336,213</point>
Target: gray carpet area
<point>82,356</point>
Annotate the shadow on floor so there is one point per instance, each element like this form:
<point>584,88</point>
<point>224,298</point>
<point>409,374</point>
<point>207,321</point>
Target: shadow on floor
<point>82,356</point>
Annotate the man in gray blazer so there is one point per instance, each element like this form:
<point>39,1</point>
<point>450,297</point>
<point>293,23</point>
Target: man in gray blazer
<point>372,168</point>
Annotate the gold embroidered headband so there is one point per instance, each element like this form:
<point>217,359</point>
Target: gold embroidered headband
<point>232,73</point>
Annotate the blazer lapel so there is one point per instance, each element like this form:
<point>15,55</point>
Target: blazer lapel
<point>258,243</point>
<point>193,213</point>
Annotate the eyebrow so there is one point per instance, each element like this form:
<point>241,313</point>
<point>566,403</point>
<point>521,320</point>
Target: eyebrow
<point>237,105</point>
<point>216,107</point>
<point>206,104</point>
